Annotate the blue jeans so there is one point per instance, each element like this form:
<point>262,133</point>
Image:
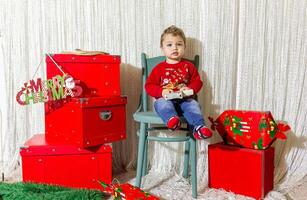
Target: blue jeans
<point>189,108</point>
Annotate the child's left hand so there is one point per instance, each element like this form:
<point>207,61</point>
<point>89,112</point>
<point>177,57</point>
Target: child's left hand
<point>184,88</point>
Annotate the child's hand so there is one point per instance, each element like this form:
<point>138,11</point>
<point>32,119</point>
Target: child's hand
<point>165,92</point>
<point>184,88</point>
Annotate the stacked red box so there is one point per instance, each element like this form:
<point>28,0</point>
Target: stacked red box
<point>65,165</point>
<point>86,122</point>
<point>240,170</point>
<point>98,116</point>
<point>99,74</point>
<point>73,152</point>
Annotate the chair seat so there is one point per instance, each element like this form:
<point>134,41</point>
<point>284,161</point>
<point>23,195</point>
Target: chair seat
<point>151,118</point>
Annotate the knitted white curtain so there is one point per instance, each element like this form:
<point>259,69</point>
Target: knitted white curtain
<point>253,56</point>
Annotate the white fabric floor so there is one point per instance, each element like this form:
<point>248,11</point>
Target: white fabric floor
<point>171,186</point>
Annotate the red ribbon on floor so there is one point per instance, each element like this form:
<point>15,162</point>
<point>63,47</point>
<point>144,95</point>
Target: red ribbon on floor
<point>126,191</point>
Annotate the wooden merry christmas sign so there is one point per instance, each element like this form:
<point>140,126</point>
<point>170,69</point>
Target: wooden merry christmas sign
<point>59,87</point>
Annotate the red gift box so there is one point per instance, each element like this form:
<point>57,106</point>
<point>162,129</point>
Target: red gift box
<point>65,165</point>
<point>86,122</point>
<point>243,171</point>
<point>251,129</point>
<point>99,75</point>
<point>127,191</point>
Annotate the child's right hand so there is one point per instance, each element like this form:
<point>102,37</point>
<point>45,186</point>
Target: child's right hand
<point>165,92</point>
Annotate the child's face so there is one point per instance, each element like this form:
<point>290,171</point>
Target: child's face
<point>173,48</point>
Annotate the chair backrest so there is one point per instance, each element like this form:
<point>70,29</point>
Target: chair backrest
<point>147,65</point>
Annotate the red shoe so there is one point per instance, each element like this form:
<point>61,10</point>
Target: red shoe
<point>202,132</point>
<point>173,123</point>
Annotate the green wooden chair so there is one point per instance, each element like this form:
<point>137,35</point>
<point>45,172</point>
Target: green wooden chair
<point>146,117</point>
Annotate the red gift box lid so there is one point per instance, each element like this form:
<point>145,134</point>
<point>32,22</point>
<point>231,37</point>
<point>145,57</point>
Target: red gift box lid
<point>100,101</point>
<point>37,145</point>
<point>71,58</point>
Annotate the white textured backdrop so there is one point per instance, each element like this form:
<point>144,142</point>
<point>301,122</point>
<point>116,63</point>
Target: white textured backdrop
<point>253,56</point>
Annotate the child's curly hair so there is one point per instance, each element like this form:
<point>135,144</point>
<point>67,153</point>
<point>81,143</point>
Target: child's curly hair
<point>173,30</point>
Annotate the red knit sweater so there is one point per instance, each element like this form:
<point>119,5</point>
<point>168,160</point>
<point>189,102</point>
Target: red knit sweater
<point>173,76</point>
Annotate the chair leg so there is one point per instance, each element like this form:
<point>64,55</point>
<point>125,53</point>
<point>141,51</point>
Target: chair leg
<point>193,167</point>
<point>144,170</point>
<point>142,137</point>
<point>186,159</point>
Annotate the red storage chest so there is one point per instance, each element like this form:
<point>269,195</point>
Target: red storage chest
<point>99,74</point>
<point>243,171</point>
<point>65,165</point>
<point>86,122</point>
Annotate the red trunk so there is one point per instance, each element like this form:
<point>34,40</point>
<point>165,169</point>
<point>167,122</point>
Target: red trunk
<point>86,122</point>
<point>65,165</point>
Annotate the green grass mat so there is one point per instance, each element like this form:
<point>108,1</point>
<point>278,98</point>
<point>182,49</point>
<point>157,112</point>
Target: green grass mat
<point>29,191</point>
